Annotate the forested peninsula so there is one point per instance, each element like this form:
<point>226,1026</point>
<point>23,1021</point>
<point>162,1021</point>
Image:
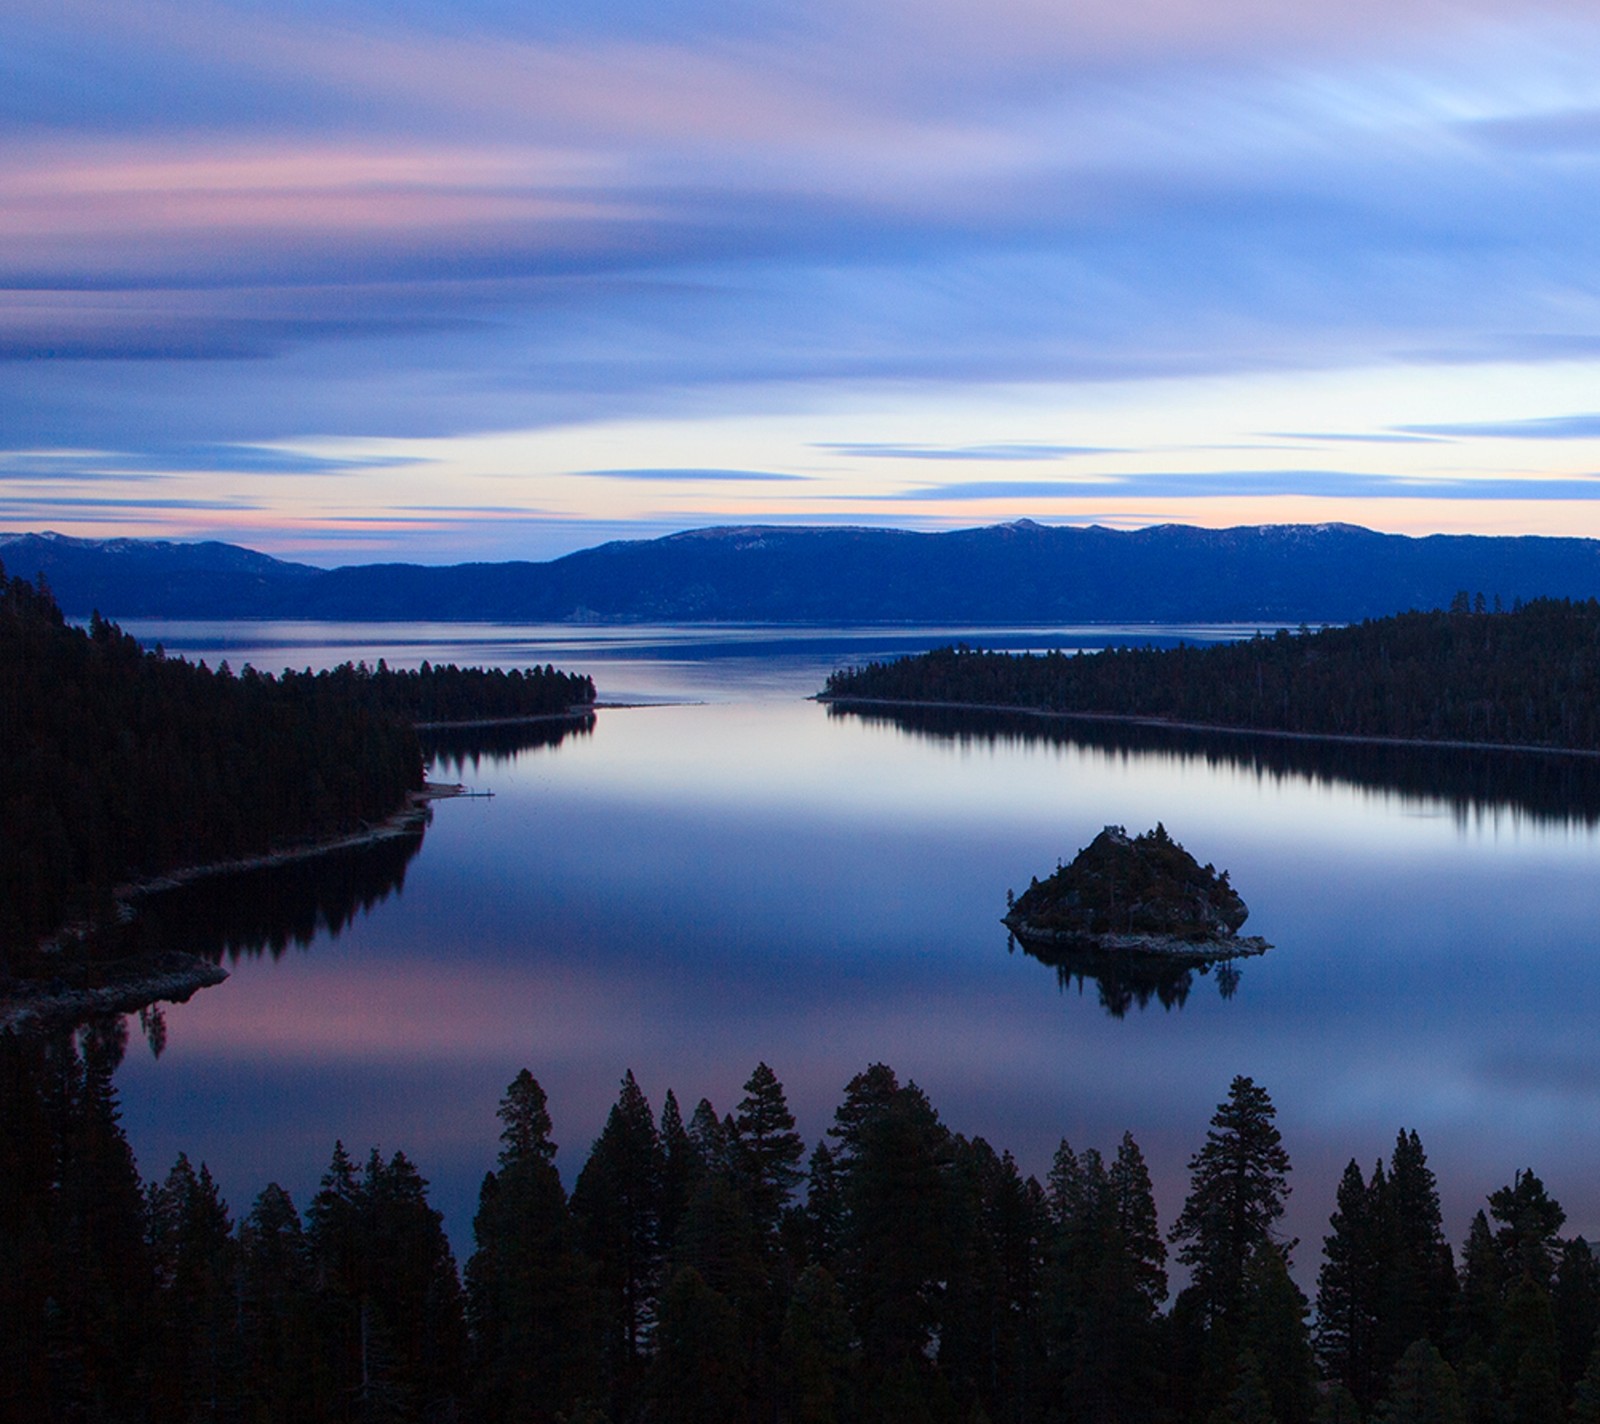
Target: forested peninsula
<point>703,1267</point>
<point>122,764</point>
<point>1528,677</point>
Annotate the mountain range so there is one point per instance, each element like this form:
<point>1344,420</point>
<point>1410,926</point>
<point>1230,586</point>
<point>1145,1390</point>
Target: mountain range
<point>1016,573</point>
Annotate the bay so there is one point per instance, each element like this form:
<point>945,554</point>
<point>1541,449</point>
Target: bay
<point>728,873</point>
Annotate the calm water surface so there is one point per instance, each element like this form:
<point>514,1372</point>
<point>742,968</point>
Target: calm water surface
<point>690,889</point>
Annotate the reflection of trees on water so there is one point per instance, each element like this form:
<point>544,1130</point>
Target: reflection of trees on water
<point>254,912</point>
<point>1124,982</point>
<point>455,750</point>
<point>1473,783</point>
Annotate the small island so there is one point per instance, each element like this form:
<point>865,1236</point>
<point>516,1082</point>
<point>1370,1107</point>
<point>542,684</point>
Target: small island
<point>1139,895</point>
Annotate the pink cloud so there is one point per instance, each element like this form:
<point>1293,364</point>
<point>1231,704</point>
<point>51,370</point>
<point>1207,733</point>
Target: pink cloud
<point>117,189</point>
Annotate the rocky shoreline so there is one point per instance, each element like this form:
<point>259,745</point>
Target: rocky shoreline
<point>55,1004</point>
<point>1171,947</point>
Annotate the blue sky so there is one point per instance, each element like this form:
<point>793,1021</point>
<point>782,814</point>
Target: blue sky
<point>486,280</point>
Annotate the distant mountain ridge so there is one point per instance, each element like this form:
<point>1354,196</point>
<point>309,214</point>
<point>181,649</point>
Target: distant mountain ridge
<point>1021,572</point>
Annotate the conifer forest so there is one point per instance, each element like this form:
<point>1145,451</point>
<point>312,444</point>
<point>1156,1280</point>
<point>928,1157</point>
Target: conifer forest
<point>706,1266</point>
<point>1528,676</point>
<point>704,1262</point>
<point>123,764</point>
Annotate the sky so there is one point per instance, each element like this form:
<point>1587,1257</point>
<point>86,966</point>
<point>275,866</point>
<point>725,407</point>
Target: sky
<point>483,280</point>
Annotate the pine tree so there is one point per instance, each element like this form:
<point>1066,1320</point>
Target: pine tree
<point>767,1150</point>
<point>1274,1332</point>
<point>276,1307</point>
<point>391,1320</point>
<point>709,1136</point>
<point>1586,1396</point>
<point>1525,1357</point>
<point>894,1171</point>
<point>682,1166</point>
<point>1422,1390</point>
<point>701,1361</point>
<point>104,1305</point>
<point>1575,1299</point>
<point>414,1290</point>
<point>1133,1199</point>
<point>1529,1219</point>
<point>1106,1279</point>
<point>526,1296</point>
<point>1420,1286</point>
<point>990,1350</point>
<point>192,1243</point>
<point>814,1368</point>
<point>1483,1284</point>
<point>1248,1402</point>
<point>1350,1285</point>
<point>822,1218</point>
<point>1238,1185</point>
<point>616,1202</point>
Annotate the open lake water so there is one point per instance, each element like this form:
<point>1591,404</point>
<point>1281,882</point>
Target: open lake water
<point>730,873</point>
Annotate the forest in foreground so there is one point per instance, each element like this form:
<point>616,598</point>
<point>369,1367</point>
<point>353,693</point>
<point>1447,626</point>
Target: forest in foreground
<point>122,763</point>
<point>709,1269</point>
<point>1529,676</point>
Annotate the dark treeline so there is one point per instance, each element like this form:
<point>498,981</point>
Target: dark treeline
<point>1530,677</point>
<point>1471,780</point>
<point>708,1270</point>
<point>434,693</point>
<point>122,764</point>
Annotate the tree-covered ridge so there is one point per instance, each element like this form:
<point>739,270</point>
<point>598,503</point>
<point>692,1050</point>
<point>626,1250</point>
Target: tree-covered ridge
<point>1146,885</point>
<point>707,1270</point>
<point>1529,677</point>
<point>122,764</point>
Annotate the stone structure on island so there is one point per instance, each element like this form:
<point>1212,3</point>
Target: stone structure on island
<point>1144,895</point>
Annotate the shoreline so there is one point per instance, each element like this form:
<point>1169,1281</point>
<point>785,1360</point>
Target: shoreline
<point>1130,719</point>
<point>572,714</point>
<point>31,1004</point>
<point>1172,949</point>
<point>171,978</point>
<point>410,818</point>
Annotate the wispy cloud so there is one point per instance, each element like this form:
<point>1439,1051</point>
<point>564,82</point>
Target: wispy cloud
<point>1231,484</point>
<point>273,224</point>
<point>1554,427</point>
<point>1331,437</point>
<point>1012,450</point>
<point>154,461</point>
<point>21,506</point>
<point>689,476</point>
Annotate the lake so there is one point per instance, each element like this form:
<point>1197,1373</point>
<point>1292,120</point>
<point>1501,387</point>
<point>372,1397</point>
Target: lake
<point>725,873</point>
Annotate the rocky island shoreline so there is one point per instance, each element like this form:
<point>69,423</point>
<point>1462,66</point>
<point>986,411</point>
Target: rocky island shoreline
<point>1143,895</point>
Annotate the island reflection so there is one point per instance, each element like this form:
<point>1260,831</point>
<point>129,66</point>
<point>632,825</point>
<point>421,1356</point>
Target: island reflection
<point>1125,981</point>
<point>1552,788</point>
